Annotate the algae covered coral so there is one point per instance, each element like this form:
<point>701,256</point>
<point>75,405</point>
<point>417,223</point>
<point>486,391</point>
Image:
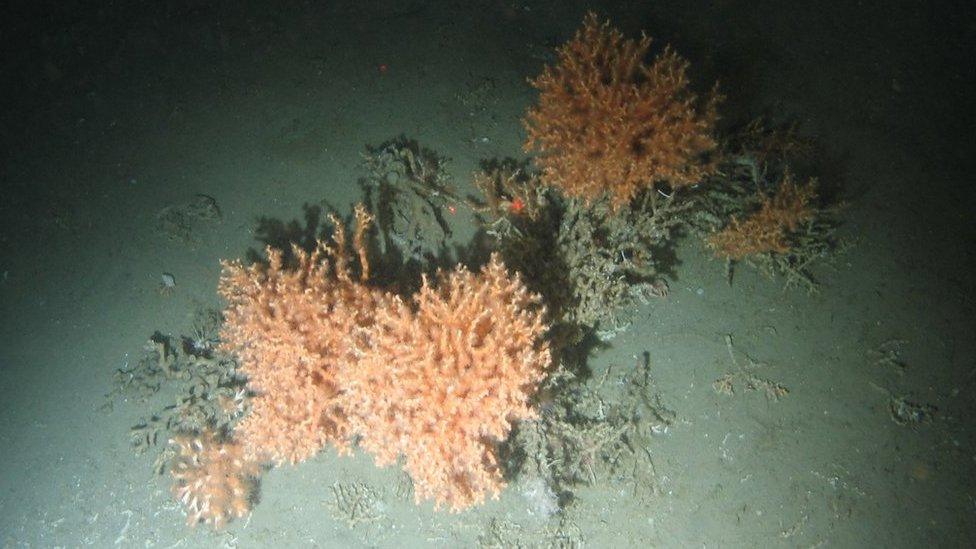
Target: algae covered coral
<point>758,212</point>
<point>589,260</point>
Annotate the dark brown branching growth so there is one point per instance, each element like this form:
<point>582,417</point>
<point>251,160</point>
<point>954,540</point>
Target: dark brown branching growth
<point>508,190</point>
<point>607,123</point>
<point>767,230</point>
<point>589,261</point>
<point>754,211</point>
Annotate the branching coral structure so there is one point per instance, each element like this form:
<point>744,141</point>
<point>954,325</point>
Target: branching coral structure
<point>292,329</point>
<point>755,211</point>
<point>587,260</point>
<point>767,230</point>
<point>214,480</point>
<point>442,379</point>
<point>607,123</point>
<point>438,378</point>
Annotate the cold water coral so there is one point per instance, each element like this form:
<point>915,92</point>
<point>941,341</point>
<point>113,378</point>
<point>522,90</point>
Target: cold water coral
<point>607,123</point>
<point>768,229</point>
<point>408,187</point>
<point>441,380</point>
<point>587,260</point>
<point>438,379</point>
<point>291,329</point>
<point>214,480</point>
<point>754,210</point>
<point>613,259</point>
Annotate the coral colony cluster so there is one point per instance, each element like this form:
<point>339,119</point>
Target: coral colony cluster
<point>438,379</point>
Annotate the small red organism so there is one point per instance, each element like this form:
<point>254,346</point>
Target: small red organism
<point>516,206</point>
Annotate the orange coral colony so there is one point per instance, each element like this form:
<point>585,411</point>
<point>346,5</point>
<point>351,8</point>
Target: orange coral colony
<point>443,379</point>
<point>438,379</point>
<point>766,230</point>
<point>608,124</point>
<point>291,329</point>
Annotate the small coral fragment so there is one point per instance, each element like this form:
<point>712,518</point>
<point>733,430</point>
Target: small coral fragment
<point>214,480</point>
